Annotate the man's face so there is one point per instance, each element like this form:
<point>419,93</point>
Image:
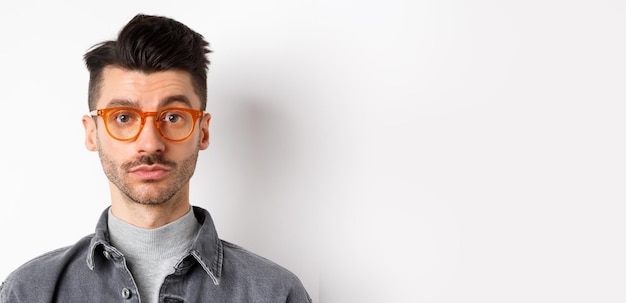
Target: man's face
<point>149,169</point>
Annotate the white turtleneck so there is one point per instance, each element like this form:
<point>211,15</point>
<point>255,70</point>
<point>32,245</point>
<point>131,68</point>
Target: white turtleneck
<point>151,254</point>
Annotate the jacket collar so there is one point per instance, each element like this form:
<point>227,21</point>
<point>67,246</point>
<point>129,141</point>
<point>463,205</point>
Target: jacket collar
<point>206,248</point>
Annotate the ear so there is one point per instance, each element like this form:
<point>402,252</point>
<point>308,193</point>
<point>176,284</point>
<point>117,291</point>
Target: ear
<point>89,123</point>
<point>204,131</point>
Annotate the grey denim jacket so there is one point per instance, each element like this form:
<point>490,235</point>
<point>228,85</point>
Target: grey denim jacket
<point>94,271</point>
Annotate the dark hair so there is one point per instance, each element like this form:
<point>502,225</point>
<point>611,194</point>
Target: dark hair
<point>151,44</point>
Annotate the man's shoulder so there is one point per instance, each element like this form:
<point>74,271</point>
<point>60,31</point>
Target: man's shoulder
<point>46,268</point>
<point>241,259</point>
<point>54,258</point>
<point>237,254</point>
<point>240,264</point>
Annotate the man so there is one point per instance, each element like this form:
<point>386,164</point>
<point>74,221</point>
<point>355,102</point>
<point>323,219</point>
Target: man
<point>147,101</point>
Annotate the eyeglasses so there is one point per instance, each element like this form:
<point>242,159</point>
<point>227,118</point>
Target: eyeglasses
<point>126,123</point>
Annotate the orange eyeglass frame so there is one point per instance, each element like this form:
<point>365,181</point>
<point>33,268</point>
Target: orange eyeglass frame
<point>104,113</point>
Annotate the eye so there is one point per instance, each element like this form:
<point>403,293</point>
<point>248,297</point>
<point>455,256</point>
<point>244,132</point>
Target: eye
<point>172,117</point>
<point>122,118</point>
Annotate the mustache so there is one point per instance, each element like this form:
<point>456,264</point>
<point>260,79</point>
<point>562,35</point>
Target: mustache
<point>148,160</point>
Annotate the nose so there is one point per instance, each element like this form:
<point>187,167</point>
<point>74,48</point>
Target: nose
<point>149,140</point>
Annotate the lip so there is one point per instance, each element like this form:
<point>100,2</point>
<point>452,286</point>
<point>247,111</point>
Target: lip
<point>150,172</point>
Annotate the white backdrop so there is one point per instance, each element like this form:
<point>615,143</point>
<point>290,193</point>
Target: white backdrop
<point>404,151</point>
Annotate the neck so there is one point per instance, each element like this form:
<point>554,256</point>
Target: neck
<point>161,243</point>
<point>150,216</point>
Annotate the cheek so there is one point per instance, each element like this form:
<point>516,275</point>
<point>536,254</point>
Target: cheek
<point>110,148</point>
<point>183,150</point>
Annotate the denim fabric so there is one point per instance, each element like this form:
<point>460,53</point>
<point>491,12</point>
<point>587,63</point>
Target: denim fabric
<point>94,271</point>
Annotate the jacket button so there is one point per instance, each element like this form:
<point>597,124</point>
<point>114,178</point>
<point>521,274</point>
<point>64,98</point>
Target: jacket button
<point>125,293</point>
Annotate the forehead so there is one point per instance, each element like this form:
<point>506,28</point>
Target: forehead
<point>147,91</point>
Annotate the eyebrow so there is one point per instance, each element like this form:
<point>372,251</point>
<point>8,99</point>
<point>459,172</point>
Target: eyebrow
<point>120,102</point>
<point>164,102</point>
<point>176,98</point>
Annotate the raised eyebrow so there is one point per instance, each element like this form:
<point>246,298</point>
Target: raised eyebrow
<point>176,99</point>
<point>121,102</point>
